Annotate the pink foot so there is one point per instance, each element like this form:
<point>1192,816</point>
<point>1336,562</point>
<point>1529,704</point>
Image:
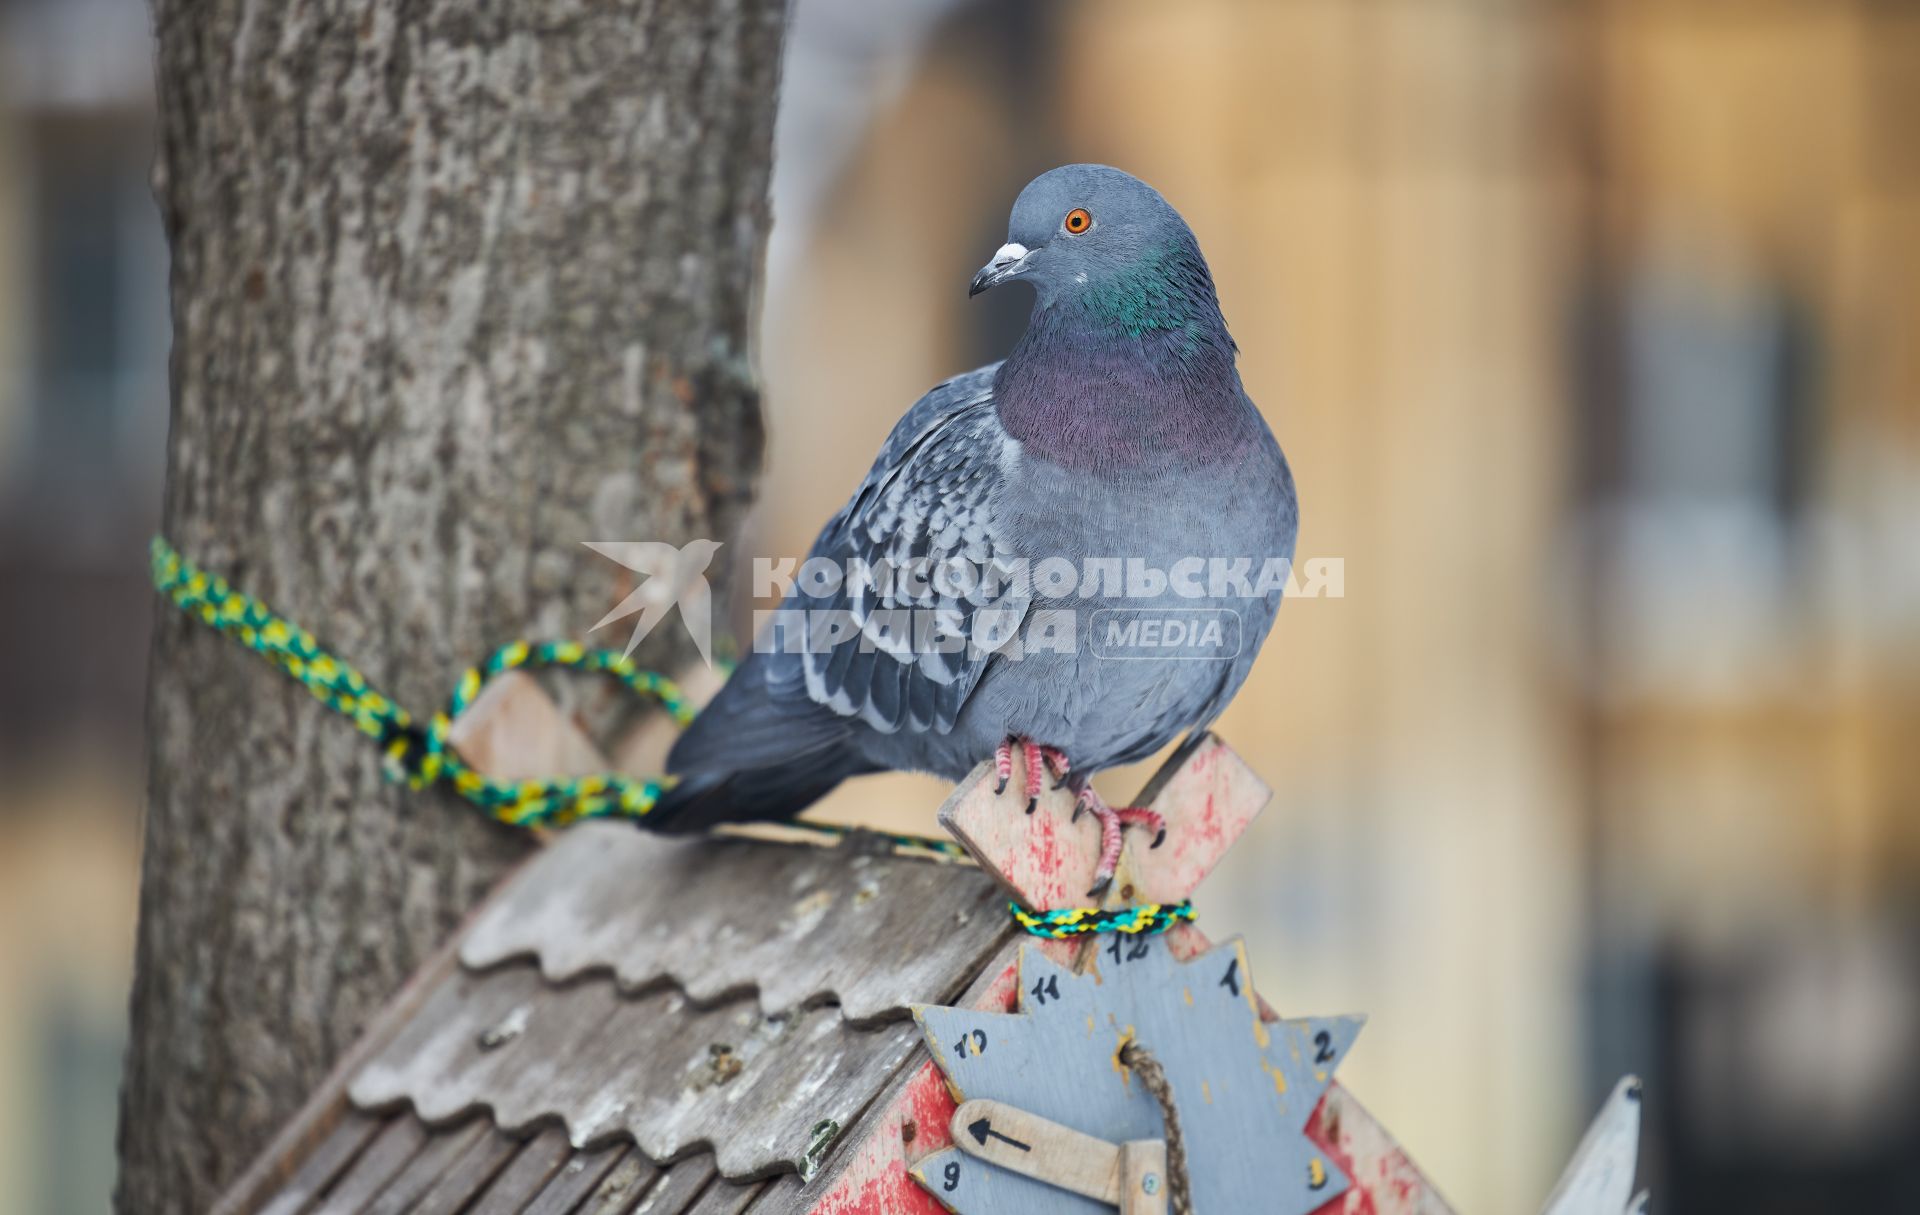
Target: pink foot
<point>1152,820</point>
<point>1057,763</point>
<point>1111,823</point>
<point>1036,757</point>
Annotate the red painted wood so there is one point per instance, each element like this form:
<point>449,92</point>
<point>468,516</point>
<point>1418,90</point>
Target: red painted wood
<point>876,1181</point>
<point>1047,860</point>
<point>1385,1179</point>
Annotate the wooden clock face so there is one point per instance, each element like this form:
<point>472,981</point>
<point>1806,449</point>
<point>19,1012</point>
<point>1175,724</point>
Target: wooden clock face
<point>1244,1087</point>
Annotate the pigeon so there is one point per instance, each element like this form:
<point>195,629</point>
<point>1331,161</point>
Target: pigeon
<point>1075,553</point>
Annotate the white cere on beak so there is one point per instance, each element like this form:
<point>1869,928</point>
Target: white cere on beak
<point>1006,263</point>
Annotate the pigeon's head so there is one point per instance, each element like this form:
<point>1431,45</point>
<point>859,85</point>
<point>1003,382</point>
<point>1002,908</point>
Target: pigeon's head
<point>1080,229</point>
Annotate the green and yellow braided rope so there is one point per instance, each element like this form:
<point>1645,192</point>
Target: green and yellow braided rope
<point>419,753</point>
<point>1146,919</point>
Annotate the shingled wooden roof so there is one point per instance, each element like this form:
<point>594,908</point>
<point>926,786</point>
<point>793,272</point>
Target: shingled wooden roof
<point>637,1024</point>
<point>633,1023</point>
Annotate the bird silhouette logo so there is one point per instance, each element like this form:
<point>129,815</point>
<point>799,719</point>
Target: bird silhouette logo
<point>672,577</point>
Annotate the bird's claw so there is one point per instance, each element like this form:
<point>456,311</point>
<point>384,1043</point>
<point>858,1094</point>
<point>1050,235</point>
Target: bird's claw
<point>1110,840</point>
<point>1037,758</point>
<point>1141,816</point>
<point>1112,824</point>
<point>1003,764</point>
<point>1057,760</point>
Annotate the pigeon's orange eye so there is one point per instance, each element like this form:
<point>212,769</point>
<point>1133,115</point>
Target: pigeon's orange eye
<point>1077,221</point>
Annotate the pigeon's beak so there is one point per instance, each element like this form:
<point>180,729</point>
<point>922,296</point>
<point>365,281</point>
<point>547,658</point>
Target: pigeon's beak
<point>1006,264</point>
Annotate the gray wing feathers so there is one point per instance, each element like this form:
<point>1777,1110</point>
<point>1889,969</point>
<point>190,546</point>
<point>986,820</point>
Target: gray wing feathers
<point>923,524</point>
<point>783,705</point>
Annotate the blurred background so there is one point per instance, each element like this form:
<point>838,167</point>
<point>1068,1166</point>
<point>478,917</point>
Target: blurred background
<point>1592,329</point>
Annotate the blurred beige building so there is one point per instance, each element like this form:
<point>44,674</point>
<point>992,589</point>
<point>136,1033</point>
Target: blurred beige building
<point>1592,329</point>
<point>83,330</point>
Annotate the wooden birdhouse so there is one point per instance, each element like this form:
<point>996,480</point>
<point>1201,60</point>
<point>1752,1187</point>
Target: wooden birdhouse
<point>783,1022</point>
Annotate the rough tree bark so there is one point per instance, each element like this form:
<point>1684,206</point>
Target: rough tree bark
<point>456,286</point>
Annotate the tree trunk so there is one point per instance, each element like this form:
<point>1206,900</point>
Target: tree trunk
<point>456,286</point>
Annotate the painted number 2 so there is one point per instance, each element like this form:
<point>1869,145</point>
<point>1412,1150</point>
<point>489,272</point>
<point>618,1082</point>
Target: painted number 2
<point>1124,949</point>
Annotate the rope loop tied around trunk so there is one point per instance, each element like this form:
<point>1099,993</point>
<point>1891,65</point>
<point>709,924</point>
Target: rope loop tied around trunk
<point>416,751</point>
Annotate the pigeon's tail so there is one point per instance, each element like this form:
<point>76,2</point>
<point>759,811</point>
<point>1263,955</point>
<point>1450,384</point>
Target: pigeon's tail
<point>747,759</point>
<point>707,799</point>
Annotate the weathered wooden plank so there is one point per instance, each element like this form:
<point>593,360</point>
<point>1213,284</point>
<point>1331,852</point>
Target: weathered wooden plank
<point>678,1186</point>
<point>1209,797</point>
<point>411,1184</point>
<point>1047,861</point>
<point>1387,1179</point>
<point>526,1174</point>
<point>473,1043</point>
<point>297,1141</point>
<point>799,926</point>
<point>391,1150</point>
<point>623,1186</point>
<point>655,1068</point>
<point>726,1198</point>
<point>514,731</point>
<point>756,1088</point>
<point>329,1159</point>
<point>911,1120</point>
<point>1044,859</point>
<point>1008,1137</point>
<point>576,1179</point>
<point>1143,1178</point>
<point>1207,794</point>
<point>470,1174</point>
<point>787,1196</point>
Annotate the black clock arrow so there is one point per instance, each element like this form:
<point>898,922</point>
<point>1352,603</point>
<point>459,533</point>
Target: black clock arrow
<point>982,1129</point>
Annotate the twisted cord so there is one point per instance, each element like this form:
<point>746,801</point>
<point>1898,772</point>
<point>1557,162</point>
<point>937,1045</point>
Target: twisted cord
<point>1139,1060</point>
